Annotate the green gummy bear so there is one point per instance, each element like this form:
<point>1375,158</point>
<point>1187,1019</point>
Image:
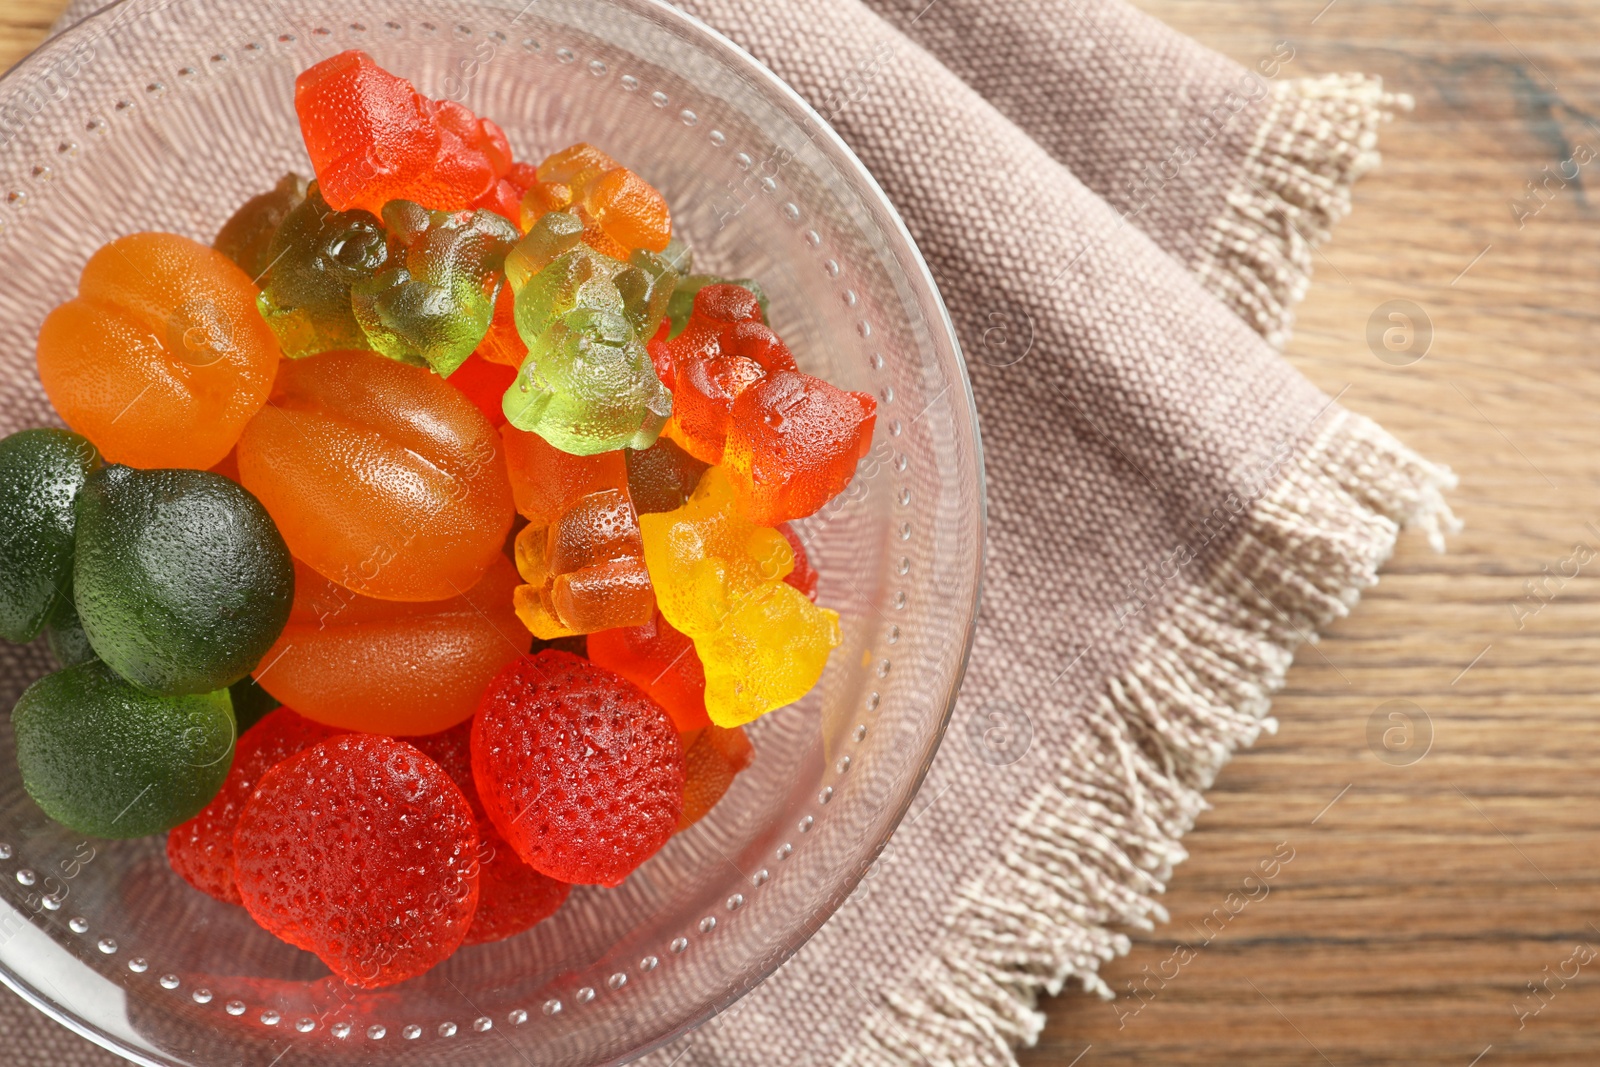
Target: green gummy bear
<point>682,301</point>
<point>316,256</point>
<point>433,301</point>
<point>246,238</point>
<point>41,472</point>
<point>181,578</point>
<point>109,760</point>
<point>588,385</point>
<point>68,643</point>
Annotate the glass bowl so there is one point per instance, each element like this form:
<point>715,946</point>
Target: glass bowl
<point>166,115</point>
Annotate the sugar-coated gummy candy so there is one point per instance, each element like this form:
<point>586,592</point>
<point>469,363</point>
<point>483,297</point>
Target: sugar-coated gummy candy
<point>661,477</point>
<point>620,212</point>
<point>200,851</point>
<point>793,443</point>
<point>580,553</point>
<point>587,384</point>
<point>246,238</point>
<point>41,472</point>
<point>381,476</point>
<point>661,661</point>
<point>314,260</point>
<point>180,577</point>
<point>804,577</point>
<point>511,895</point>
<point>107,759</point>
<point>719,580</point>
<point>361,850</point>
<point>373,138</point>
<point>393,667</point>
<point>711,760</point>
<point>162,357</point>
<point>578,769</point>
<point>433,299</point>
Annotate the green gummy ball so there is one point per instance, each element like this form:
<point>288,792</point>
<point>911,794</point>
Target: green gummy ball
<point>181,578</point>
<point>41,472</point>
<point>108,760</point>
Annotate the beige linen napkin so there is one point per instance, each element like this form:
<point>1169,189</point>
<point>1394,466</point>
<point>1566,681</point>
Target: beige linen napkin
<point>1172,507</point>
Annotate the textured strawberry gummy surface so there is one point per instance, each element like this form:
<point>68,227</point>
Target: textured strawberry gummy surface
<point>201,850</point>
<point>511,895</point>
<point>577,768</point>
<point>361,850</point>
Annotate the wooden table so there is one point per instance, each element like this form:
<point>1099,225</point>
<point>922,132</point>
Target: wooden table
<point>1423,901</point>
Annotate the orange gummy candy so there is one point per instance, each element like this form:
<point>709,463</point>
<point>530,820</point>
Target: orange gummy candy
<point>621,212</point>
<point>711,759</point>
<point>162,358</point>
<point>381,476</point>
<point>379,666</point>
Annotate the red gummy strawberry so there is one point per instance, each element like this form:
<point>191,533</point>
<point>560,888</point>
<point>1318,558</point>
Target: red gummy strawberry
<point>577,768</point>
<point>804,576</point>
<point>361,850</point>
<point>201,850</point>
<point>511,895</point>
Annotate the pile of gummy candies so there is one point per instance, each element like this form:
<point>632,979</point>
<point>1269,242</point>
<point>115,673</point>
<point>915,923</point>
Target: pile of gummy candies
<point>301,465</point>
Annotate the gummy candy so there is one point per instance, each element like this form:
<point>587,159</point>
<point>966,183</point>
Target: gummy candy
<point>65,637</point>
<point>580,553</point>
<point>389,667</point>
<point>621,213</point>
<point>373,138</point>
<point>433,299</point>
<point>724,348</point>
<point>180,577</point>
<point>201,850</point>
<point>587,384</point>
<point>793,444</point>
<point>719,580</point>
<point>577,768</point>
<point>503,344</point>
<point>711,761</point>
<point>161,358</point>
<point>361,850</point>
<point>109,760</point>
<point>804,576</point>
<point>505,197</point>
<point>682,304</point>
<point>381,476</point>
<point>246,238</point>
<point>314,259</point>
<point>661,477</point>
<point>511,895</point>
<point>661,661</point>
<point>485,384</point>
<point>41,472</point>
<point>251,702</point>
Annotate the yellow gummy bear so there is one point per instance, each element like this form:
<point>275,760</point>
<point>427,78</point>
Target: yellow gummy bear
<point>719,580</point>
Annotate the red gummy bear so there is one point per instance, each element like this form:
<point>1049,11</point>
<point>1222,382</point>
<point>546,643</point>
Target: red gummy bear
<point>201,850</point>
<point>504,198</point>
<point>361,850</point>
<point>793,445</point>
<point>723,350</point>
<point>804,576</point>
<point>511,895</point>
<point>577,768</point>
<point>373,138</point>
<point>485,384</point>
<point>661,661</point>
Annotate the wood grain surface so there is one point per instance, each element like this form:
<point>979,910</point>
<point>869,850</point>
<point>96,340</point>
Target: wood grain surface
<point>1440,905</point>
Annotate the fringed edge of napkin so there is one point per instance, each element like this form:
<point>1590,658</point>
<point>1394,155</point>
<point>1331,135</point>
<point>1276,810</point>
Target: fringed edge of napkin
<point>1093,850</point>
<point>1319,136</point>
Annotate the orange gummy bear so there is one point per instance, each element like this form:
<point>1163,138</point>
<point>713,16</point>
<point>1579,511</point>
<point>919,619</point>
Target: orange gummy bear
<point>620,211</point>
<point>379,666</point>
<point>381,476</point>
<point>162,358</point>
<point>580,553</point>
